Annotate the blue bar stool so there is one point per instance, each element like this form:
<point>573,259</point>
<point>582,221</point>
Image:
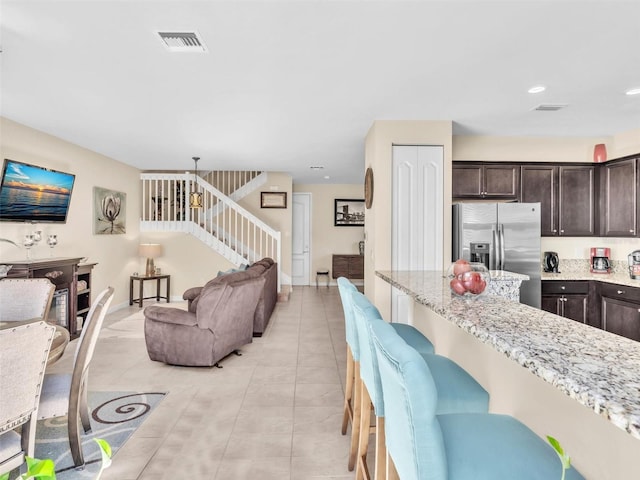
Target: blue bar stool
<point>458,391</point>
<point>352,401</point>
<point>467,446</point>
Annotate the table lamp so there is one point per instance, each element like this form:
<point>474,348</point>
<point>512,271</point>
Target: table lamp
<point>150,251</point>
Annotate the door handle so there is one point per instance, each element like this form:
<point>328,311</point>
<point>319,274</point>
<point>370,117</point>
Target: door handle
<point>493,261</point>
<point>501,246</point>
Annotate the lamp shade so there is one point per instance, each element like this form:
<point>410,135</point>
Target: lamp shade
<point>150,250</point>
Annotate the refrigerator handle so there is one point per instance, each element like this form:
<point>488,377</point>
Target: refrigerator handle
<point>501,227</point>
<point>493,260</point>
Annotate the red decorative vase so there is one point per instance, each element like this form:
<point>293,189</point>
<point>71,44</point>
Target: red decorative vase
<point>600,153</point>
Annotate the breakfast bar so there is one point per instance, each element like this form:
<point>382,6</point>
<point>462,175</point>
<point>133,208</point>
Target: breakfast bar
<point>562,378</point>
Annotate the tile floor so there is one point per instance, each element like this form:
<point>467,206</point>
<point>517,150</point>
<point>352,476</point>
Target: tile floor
<point>273,413</point>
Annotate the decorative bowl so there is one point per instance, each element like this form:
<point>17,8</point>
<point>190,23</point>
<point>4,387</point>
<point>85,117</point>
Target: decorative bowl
<point>468,279</point>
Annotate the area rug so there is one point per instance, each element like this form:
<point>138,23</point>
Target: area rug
<point>114,417</point>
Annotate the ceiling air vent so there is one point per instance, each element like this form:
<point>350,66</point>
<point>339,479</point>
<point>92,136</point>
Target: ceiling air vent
<point>547,107</point>
<point>182,41</point>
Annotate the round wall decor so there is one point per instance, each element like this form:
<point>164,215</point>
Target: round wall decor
<point>368,188</point>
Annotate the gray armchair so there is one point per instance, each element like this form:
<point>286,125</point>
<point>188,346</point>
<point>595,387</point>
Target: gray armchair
<point>222,323</point>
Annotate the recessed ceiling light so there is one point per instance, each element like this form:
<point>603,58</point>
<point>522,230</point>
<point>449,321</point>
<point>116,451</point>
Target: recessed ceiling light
<point>327,177</point>
<point>633,91</point>
<point>537,89</point>
<point>317,167</point>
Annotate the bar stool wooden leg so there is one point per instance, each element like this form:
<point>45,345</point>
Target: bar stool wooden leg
<point>348,394</point>
<point>381,450</point>
<point>355,424</point>
<point>392,473</point>
<point>366,407</point>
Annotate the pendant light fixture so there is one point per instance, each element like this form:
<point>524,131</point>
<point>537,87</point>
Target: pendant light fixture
<point>195,197</point>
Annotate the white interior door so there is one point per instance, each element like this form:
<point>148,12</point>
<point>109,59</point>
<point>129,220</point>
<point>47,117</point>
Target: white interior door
<point>417,216</point>
<point>301,239</point>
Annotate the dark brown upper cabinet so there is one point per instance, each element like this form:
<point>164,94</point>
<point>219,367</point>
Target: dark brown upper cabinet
<point>576,201</point>
<point>619,193</point>
<point>487,181</point>
<point>567,197</point>
<point>540,184</point>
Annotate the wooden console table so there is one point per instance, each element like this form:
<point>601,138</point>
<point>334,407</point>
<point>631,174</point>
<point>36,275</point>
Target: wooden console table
<point>142,279</point>
<point>348,266</point>
<point>64,274</point>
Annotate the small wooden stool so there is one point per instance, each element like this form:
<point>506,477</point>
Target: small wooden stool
<point>324,273</point>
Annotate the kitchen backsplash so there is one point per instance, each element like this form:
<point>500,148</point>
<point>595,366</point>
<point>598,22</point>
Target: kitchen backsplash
<point>579,265</point>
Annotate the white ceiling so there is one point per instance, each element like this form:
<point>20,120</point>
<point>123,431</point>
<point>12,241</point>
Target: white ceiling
<point>287,85</point>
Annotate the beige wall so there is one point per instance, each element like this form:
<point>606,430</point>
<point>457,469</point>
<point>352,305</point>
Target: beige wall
<point>524,149</point>
<point>116,255</point>
<point>378,155</point>
<point>327,239</point>
<point>543,149</point>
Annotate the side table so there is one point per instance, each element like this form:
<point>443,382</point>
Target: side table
<point>142,279</point>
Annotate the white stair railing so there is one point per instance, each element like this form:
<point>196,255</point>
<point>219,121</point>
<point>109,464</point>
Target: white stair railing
<point>225,226</point>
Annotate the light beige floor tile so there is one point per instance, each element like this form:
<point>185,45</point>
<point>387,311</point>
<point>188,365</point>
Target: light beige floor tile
<point>246,446</point>
<point>327,374</point>
<point>275,468</point>
<point>318,394</point>
<point>271,394</point>
<point>312,420</point>
<point>264,420</point>
<point>268,374</point>
<point>318,467</point>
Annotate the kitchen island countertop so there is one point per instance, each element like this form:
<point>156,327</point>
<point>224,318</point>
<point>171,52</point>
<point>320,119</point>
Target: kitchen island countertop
<point>598,369</point>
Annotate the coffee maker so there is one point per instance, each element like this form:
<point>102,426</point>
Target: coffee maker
<point>551,262</point>
<point>600,262</point>
<point>634,264</point>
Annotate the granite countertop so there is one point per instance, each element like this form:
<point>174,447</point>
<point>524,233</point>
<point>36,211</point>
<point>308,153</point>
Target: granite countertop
<point>579,270</point>
<point>502,275</point>
<point>598,369</point>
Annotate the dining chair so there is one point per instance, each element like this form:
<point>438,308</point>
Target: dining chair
<point>458,391</point>
<point>457,446</point>
<point>25,298</point>
<point>24,348</point>
<point>352,402</point>
<point>66,394</point>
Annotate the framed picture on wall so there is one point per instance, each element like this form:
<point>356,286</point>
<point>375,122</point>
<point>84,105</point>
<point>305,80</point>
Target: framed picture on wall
<point>109,212</point>
<point>348,212</point>
<point>273,199</point>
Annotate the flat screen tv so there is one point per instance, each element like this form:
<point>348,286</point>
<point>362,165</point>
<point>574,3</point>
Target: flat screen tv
<point>29,193</point>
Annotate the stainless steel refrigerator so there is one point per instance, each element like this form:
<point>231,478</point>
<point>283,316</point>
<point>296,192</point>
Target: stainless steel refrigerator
<point>505,236</point>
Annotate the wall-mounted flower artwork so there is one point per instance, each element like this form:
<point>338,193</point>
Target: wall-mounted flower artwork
<point>109,212</point>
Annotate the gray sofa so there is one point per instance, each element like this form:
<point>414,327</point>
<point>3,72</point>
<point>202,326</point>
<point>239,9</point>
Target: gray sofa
<point>221,322</point>
<point>266,269</point>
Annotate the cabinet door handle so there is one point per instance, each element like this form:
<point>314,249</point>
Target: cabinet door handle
<point>562,287</point>
<point>631,231</point>
<point>620,292</point>
<point>554,231</point>
<point>561,231</point>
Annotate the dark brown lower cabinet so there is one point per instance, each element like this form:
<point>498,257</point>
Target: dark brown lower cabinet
<point>569,299</point>
<point>348,266</point>
<point>620,310</point>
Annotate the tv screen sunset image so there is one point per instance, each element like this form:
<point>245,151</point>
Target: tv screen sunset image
<point>31,193</point>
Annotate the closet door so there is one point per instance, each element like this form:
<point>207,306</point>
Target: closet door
<point>417,215</point>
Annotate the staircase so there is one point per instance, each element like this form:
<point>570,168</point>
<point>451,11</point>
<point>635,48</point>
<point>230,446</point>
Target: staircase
<point>221,223</point>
